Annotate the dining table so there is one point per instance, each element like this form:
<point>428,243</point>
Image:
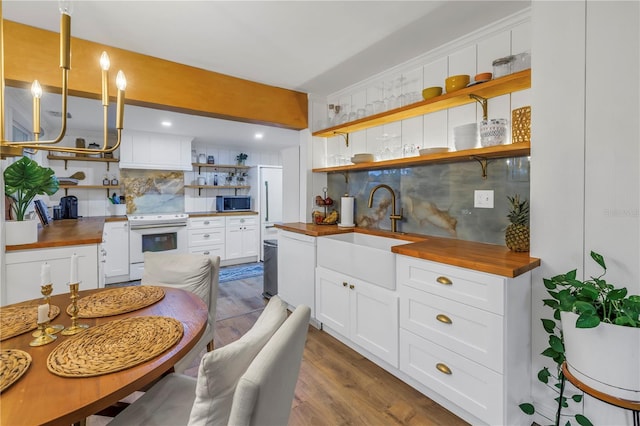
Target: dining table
<point>41,397</point>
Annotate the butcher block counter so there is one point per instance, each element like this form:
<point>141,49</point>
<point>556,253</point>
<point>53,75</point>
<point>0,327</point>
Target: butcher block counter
<point>68,232</point>
<point>489,258</point>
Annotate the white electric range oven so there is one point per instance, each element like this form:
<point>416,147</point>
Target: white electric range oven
<point>166,233</point>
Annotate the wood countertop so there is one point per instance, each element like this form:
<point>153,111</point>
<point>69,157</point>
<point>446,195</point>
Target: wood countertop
<point>67,232</point>
<point>483,257</point>
<point>209,214</point>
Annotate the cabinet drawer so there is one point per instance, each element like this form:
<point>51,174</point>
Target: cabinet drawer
<point>471,386</point>
<point>205,237</point>
<point>206,222</point>
<point>217,250</point>
<point>242,220</point>
<point>478,289</point>
<point>470,332</point>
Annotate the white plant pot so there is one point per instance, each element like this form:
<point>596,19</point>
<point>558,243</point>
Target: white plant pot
<point>21,232</point>
<point>605,357</point>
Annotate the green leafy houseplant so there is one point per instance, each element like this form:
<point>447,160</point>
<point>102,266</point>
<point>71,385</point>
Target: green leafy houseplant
<point>594,301</point>
<point>24,179</point>
<point>240,158</point>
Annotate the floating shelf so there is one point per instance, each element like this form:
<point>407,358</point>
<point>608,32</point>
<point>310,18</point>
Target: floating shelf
<point>220,166</point>
<point>478,154</point>
<point>201,187</point>
<point>498,87</point>
<point>107,187</point>
<point>76,158</point>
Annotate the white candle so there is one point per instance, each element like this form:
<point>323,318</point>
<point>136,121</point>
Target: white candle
<point>45,274</point>
<point>73,278</point>
<point>43,313</point>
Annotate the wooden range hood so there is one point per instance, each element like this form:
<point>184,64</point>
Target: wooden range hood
<point>32,53</point>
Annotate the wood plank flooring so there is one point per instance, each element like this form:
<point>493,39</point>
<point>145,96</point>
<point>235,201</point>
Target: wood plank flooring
<point>336,386</point>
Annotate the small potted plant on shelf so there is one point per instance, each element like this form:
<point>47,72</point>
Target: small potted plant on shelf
<point>596,330</point>
<point>23,180</point>
<point>241,158</point>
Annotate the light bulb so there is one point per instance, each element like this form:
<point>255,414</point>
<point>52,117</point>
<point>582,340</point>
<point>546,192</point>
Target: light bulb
<point>104,61</point>
<point>121,80</point>
<point>65,6</point>
<point>36,89</point>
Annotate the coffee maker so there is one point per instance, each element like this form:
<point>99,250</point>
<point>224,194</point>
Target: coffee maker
<point>69,207</point>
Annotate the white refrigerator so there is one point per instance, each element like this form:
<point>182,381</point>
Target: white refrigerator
<point>267,191</point>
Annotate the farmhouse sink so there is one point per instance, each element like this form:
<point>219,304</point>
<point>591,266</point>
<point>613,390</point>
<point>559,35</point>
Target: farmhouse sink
<point>363,256</point>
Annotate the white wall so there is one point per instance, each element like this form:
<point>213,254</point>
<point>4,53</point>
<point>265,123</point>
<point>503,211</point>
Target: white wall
<point>585,188</point>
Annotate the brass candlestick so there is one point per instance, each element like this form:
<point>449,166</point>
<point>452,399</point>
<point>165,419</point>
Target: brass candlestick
<point>43,337</point>
<point>75,327</point>
<point>46,290</point>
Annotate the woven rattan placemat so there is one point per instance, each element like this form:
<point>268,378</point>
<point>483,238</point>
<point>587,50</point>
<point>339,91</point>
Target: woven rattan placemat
<point>15,320</point>
<point>116,301</point>
<point>13,364</point>
<point>114,346</point>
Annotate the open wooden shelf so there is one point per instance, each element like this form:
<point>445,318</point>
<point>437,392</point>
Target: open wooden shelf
<point>201,187</point>
<point>107,187</point>
<point>76,158</point>
<point>487,153</point>
<point>498,87</point>
<point>220,166</point>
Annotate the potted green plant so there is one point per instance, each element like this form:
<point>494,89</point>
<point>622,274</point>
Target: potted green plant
<point>596,330</point>
<point>241,158</point>
<point>23,180</point>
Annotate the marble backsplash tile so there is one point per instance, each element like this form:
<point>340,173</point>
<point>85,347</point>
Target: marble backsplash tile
<point>438,199</point>
<point>153,191</point>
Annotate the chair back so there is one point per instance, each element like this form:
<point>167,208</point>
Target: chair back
<point>264,393</point>
<point>194,272</point>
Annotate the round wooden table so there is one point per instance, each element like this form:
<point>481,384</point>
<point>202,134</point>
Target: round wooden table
<point>40,397</point>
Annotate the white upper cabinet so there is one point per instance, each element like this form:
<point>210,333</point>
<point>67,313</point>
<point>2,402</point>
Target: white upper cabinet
<point>156,151</point>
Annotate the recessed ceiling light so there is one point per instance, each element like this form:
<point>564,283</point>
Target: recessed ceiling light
<point>258,135</point>
<point>166,123</point>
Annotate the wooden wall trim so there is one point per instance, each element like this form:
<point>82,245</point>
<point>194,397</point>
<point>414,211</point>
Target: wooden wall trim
<point>33,53</point>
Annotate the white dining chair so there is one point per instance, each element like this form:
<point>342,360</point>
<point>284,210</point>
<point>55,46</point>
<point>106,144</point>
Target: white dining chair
<point>194,272</point>
<point>210,399</point>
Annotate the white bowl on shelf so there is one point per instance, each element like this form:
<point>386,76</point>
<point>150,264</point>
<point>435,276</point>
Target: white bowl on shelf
<point>362,158</point>
<point>465,136</point>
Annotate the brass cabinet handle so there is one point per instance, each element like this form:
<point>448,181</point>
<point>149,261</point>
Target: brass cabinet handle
<point>443,368</point>
<point>351,286</point>
<point>206,222</point>
<point>206,253</point>
<point>206,235</point>
<point>344,284</point>
<point>444,280</point>
<point>443,318</point>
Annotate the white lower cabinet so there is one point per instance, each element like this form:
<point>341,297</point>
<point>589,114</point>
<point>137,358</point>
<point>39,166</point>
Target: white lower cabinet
<point>115,251</point>
<point>207,236</point>
<point>296,269</point>
<point>466,336</point>
<point>24,266</point>
<point>362,312</point>
<point>241,237</point>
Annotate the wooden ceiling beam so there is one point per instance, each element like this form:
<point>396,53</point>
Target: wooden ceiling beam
<point>33,53</point>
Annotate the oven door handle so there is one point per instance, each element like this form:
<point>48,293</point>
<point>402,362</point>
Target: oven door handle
<point>159,225</point>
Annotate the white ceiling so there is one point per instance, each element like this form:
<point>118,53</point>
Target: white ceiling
<point>316,47</point>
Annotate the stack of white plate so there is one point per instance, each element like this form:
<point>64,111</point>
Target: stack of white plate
<point>465,136</point>
<point>362,158</point>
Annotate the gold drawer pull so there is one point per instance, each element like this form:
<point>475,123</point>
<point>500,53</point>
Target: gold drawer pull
<point>443,318</point>
<point>444,280</point>
<point>352,286</point>
<point>443,368</point>
<point>344,284</point>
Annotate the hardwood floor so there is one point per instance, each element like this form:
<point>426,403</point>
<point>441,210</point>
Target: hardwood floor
<point>336,386</point>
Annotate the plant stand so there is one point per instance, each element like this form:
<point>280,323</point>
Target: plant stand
<point>634,406</point>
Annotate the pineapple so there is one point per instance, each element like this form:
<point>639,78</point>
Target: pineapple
<point>517,233</point>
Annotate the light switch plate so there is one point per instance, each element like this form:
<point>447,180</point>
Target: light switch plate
<point>483,199</point>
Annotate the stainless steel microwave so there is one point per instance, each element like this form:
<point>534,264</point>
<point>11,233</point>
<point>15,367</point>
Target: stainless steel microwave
<point>233,203</point>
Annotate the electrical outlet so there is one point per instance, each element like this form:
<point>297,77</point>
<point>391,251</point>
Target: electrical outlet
<point>483,199</point>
